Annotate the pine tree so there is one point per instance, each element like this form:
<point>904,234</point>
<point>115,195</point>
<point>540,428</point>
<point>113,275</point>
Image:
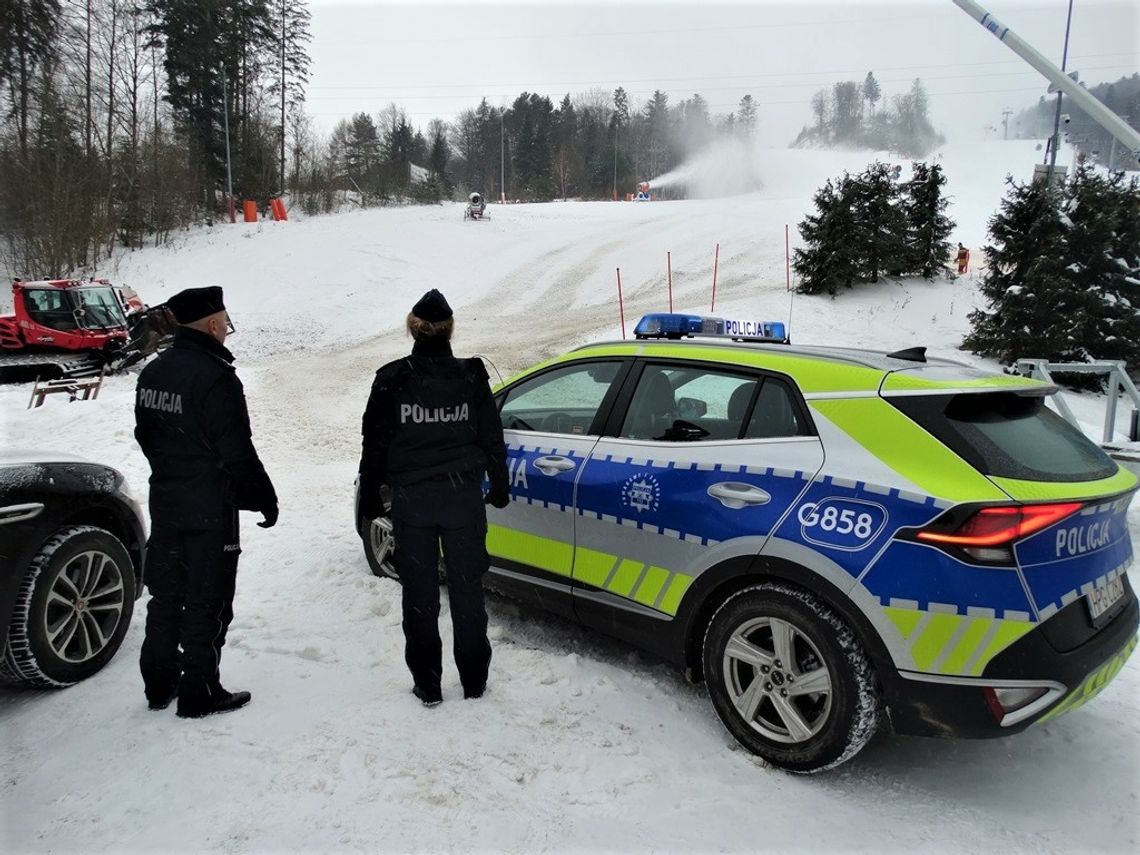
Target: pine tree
<point>880,227</point>
<point>829,261</point>
<point>1025,285</point>
<point>1102,267</point>
<point>291,32</point>
<point>871,91</point>
<point>746,121</point>
<point>928,227</point>
<point>439,156</point>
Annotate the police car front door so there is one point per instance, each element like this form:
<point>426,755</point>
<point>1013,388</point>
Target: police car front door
<point>550,426</point>
<point>706,464</point>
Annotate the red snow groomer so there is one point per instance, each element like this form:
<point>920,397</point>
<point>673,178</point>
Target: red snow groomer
<point>65,327</point>
<point>476,208</point>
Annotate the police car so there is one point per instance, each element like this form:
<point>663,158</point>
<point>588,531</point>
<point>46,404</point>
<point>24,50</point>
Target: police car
<point>832,539</point>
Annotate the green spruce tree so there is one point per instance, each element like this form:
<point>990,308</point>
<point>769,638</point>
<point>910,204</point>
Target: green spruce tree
<point>1025,284</point>
<point>830,259</point>
<point>928,227</point>
<point>879,224</point>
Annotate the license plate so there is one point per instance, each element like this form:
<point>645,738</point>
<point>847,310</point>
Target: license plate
<point>1100,600</point>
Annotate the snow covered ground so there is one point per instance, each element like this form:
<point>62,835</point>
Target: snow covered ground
<point>580,744</point>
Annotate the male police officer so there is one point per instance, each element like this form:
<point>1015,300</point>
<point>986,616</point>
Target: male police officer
<point>431,429</point>
<point>192,423</point>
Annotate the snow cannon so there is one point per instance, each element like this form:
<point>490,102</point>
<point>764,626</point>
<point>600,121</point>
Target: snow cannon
<point>476,207</point>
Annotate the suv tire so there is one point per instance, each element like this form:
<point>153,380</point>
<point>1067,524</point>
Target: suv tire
<point>72,610</point>
<point>766,648</point>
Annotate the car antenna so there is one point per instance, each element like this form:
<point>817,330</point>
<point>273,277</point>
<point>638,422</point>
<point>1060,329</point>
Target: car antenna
<point>791,301</point>
<point>492,364</point>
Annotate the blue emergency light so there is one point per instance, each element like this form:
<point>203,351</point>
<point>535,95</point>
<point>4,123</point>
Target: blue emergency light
<point>667,325</point>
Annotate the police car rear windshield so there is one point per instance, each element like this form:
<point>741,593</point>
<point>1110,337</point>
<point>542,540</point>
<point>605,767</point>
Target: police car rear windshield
<point>1009,436</point>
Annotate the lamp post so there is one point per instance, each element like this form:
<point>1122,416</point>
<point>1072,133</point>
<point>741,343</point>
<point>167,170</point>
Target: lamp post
<point>1057,117</point>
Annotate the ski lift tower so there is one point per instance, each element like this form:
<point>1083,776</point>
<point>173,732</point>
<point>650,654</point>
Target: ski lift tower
<point>1120,130</point>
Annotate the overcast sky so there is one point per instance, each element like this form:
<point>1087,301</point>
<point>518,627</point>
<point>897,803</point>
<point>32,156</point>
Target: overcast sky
<point>435,59</point>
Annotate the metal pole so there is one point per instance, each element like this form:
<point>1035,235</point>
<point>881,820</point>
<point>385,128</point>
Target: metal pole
<point>716,262</point>
<point>787,262</point>
<point>226,123</point>
<point>621,304</point>
<point>669,267</point>
<point>502,163</point>
<point>1081,97</point>
<point>1057,117</point>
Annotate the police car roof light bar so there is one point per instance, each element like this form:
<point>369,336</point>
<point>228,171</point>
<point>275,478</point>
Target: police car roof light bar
<point>674,326</point>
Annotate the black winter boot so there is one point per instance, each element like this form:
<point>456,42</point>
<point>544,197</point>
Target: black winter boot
<point>217,700</point>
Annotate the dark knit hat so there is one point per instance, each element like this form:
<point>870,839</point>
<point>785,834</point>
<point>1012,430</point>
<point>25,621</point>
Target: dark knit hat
<point>193,304</point>
<point>432,307</point>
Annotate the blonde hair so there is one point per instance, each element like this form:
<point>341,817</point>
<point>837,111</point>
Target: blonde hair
<point>419,328</point>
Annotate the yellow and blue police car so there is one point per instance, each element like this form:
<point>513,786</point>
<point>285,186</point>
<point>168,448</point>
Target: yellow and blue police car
<point>833,539</point>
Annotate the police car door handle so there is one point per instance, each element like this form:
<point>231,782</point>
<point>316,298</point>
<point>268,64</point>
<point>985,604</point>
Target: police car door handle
<point>735,495</point>
<point>551,465</point>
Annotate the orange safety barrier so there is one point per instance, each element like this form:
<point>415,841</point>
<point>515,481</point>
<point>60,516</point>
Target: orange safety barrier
<point>249,207</point>
<point>278,208</point>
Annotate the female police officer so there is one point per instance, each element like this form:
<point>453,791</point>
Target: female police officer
<point>431,430</point>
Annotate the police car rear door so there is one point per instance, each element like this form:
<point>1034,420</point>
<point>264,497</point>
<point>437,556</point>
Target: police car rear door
<point>551,421</point>
<point>698,469</point>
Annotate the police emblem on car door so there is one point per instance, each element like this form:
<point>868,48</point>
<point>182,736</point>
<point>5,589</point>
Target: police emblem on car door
<point>549,427</point>
<point>706,463</point>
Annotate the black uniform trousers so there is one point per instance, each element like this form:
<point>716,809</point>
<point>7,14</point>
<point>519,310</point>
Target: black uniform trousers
<point>191,576</point>
<point>450,512</point>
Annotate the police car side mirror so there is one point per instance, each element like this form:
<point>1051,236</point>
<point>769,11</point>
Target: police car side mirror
<point>692,408</point>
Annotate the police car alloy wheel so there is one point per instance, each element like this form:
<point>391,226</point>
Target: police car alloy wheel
<point>381,548</point>
<point>789,680</point>
<point>72,610</point>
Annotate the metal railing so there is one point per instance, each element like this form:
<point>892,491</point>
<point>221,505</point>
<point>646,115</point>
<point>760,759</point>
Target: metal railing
<point>1118,381</point>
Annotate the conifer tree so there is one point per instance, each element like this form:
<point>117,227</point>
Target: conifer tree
<point>830,260</point>
<point>928,227</point>
<point>1025,284</point>
<point>879,224</point>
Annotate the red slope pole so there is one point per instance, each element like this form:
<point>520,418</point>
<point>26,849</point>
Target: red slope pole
<point>716,262</point>
<point>621,305</point>
<point>669,266</point>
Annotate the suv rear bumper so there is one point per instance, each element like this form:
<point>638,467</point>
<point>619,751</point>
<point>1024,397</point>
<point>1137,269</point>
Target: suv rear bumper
<point>931,705</point>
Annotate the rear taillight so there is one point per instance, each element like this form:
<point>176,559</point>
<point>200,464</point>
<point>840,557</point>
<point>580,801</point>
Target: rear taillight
<point>989,533</point>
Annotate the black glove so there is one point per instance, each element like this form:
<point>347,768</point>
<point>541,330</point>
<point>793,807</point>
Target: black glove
<point>371,505</point>
<point>270,515</point>
<point>498,497</point>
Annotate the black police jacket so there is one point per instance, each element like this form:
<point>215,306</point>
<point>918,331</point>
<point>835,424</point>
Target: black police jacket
<point>192,423</point>
<point>430,414</point>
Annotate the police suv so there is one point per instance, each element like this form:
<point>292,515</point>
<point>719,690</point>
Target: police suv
<point>831,538</point>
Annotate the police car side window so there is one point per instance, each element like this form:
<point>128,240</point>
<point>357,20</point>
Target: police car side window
<point>775,414</point>
<point>684,404</point>
<point>564,400</point>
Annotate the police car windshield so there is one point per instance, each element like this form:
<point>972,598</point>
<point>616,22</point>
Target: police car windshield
<point>1009,436</point>
<point>97,307</point>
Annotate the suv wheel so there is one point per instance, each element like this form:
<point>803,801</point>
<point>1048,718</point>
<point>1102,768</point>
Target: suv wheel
<point>789,679</point>
<point>72,609</point>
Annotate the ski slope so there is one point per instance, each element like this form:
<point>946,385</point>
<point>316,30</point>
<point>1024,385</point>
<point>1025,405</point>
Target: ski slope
<point>580,744</point>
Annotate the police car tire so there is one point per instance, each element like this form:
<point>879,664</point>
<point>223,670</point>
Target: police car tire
<point>856,708</point>
<point>386,569</point>
<point>29,658</point>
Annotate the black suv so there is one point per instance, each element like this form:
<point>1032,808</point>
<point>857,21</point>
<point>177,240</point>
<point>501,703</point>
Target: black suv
<point>71,549</point>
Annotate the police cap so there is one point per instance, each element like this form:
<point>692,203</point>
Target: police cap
<point>193,304</point>
<point>432,307</point>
